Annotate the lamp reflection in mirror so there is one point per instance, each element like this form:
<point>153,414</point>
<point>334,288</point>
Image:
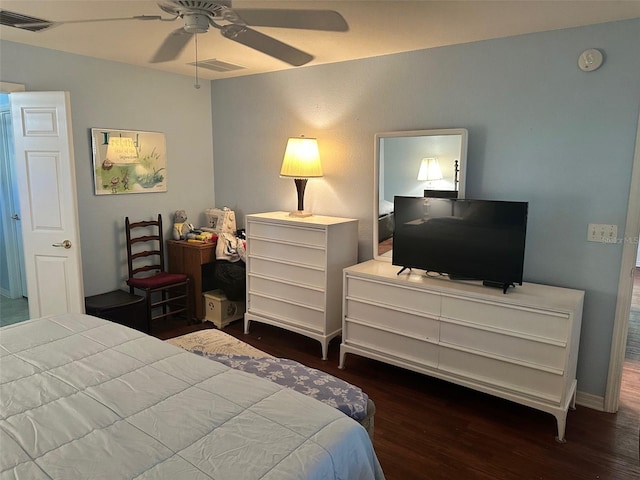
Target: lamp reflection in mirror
<point>301,162</point>
<point>429,170</point>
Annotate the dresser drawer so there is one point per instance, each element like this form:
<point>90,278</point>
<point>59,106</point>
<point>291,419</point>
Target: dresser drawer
<point>283,233</point>
<point>291,313</point>
<point>394,296</point>
<point>394,320</point>
<point>389,343</point>
<point>287,252</point>
<point>311,276</point>
<point>521,320</point>
<point>518,379</point>
<point>520,349</point>
<point>286,290</point>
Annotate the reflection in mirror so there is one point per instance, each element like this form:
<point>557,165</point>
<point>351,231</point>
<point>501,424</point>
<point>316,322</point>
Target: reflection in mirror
<point>414,163</point>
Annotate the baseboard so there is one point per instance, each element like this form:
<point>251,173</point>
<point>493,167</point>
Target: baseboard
<point>590,401</point>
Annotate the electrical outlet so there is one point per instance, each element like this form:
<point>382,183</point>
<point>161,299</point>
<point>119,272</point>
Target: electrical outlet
<point>602,233</point>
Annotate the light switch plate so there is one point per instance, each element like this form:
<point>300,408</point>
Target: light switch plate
<point>602,233</point>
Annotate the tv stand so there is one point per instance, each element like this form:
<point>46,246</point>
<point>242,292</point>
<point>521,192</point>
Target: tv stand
<point>403,269</point>
<point>504,286</point>
<point>521,347</point>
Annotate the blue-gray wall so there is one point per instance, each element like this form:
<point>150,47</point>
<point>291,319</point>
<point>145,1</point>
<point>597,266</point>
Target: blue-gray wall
<point>118,96</point>
<point>540,130</point>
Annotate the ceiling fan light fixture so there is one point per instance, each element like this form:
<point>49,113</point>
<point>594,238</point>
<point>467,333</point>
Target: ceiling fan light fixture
<point>182,8</point>
<point>198,4</point>
<point>196,23</point>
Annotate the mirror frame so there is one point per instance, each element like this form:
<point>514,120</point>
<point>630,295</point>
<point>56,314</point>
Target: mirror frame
<point>462,166</point>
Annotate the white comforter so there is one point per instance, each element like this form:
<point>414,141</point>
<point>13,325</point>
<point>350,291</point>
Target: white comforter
<point>84,398</point>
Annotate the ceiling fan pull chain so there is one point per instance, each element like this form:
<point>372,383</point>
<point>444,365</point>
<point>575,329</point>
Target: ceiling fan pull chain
<point>197,84</point>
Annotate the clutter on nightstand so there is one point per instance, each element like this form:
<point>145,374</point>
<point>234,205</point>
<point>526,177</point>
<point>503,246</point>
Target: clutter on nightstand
<point>198,236</point>
<point>220,220</point>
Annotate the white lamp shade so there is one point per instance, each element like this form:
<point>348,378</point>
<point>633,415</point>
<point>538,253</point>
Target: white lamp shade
<point>121,150</point>
<point>429,170</point>
<point>301,158</point>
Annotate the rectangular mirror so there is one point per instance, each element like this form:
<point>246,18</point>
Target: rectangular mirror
<point>414,163</point>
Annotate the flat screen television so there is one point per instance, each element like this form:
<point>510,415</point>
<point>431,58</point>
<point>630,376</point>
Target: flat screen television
<point>463,238</point>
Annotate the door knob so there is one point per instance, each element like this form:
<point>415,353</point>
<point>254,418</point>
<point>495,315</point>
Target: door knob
<point>15,216</point>
<point>65,244</point>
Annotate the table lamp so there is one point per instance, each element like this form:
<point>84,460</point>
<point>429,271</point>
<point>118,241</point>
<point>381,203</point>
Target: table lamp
<point>429,170</point>
<point>301,162</point>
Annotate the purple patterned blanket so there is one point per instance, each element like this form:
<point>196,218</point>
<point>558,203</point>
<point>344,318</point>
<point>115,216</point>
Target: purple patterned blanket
<point>320,385</point>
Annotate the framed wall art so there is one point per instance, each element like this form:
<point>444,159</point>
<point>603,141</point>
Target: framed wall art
<point>128,161</point>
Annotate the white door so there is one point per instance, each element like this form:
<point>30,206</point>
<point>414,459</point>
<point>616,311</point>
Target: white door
<point>45,171</point>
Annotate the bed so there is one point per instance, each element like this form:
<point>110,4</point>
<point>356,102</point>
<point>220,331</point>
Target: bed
<point>85,398</point>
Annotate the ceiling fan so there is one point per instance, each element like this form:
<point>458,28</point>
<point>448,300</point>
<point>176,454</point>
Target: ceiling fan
<point>233,23</point>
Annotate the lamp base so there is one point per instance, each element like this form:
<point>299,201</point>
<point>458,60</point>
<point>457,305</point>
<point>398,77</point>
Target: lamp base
<point>300,214</point>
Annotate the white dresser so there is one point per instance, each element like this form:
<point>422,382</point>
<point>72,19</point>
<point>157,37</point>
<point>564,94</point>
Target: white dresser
<point>294,272</point>
<point>522,345</point>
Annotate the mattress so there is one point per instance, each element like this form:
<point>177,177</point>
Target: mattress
<point>84,398</point>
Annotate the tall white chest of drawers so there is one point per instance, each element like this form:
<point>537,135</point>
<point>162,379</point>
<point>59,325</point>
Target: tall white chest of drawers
<point>522,345</point>
<point>295,270</point>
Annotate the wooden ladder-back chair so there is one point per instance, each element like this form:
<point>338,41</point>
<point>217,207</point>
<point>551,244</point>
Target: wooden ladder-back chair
<point>169,292</point>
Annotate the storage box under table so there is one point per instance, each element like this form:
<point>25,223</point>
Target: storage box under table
<point>220,310</point>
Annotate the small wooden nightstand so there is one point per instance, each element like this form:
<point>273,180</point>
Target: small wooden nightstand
<point>187,257</point>
<point>119,306</point>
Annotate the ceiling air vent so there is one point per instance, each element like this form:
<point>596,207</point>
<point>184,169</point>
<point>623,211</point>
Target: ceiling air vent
<point>23,22</point>
<point>218,65</point>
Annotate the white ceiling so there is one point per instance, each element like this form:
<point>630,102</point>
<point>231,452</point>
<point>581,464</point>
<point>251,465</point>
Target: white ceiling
<point>375,28</point>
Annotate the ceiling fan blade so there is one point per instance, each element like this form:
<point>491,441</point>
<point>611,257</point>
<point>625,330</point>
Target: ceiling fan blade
<point>327,20</point>
<point>172,46</point>
<point>55,23</point>
<point>265,44</point>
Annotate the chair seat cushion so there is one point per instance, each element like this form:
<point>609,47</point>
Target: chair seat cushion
<point>160,279</point>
